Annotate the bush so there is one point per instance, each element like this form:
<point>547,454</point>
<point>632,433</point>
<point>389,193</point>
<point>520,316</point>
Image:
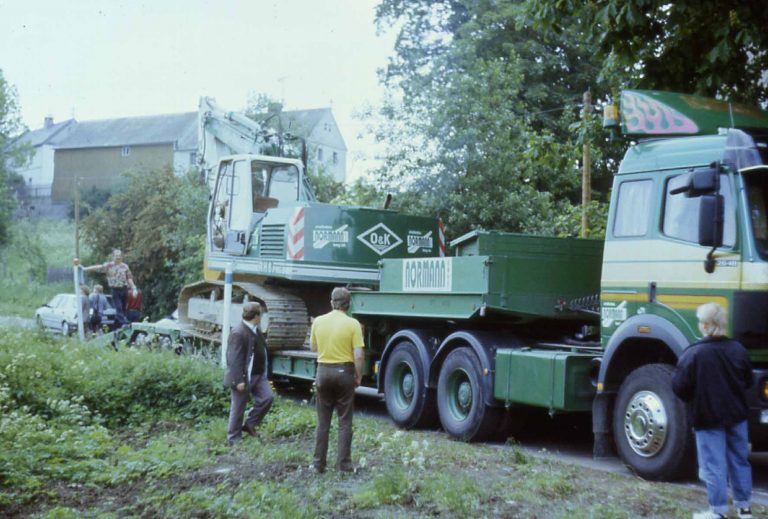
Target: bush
<point>128,386</point>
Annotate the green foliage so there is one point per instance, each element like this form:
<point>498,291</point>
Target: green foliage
<point>454,495</point>
<point>35,245</point>
<point>12,153</point>
<point>326,189</point>
<point>661,45</point>
<point>121,387</point>
<point>159,223</point>
<point>91,198</point>
<point>391,487</point>
<point>486,132</point>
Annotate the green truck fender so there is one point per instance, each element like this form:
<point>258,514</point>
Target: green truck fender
<point>484,344</point>
<point>426,342</point>
<point>629,348</point>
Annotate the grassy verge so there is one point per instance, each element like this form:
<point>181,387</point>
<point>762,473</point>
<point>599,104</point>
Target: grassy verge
<point>35,246</point>
<point>89,432</point>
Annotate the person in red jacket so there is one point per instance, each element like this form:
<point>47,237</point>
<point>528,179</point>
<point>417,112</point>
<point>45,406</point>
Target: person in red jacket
<point>133,305</point>
<point>713,375</point>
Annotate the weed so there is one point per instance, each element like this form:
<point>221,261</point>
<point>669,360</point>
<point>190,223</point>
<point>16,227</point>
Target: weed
<point>459,495</point>
<point>391,487</point>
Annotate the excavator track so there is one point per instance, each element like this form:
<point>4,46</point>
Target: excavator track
<point>286,320</point>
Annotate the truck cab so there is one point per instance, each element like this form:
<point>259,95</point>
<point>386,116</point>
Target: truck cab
<point>687,226</point>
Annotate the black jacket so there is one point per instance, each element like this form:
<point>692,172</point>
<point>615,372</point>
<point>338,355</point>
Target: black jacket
<point>242,345</point>
<point>714,374</point>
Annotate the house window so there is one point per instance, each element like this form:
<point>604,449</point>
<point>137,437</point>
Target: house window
<point>125,151</point>
<point>319,153</point>
<point>335,157</point>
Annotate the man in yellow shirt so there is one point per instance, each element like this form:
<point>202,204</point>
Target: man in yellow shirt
<point>338,339</point>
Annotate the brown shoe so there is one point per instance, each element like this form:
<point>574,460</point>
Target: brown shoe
<point>249,429</point>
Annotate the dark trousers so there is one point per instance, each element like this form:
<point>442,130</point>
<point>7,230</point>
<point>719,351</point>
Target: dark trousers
<point>335,390</point>
<point>119,297</point>
<point>261,394</point>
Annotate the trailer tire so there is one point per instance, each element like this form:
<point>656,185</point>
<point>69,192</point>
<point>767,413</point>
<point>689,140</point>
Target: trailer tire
<point>460,400</point>
<point>410,403</point>
<point>652,427</point>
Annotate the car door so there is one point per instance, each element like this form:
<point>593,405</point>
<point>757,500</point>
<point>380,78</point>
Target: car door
<point>48,314</point>
<point>64,310</point>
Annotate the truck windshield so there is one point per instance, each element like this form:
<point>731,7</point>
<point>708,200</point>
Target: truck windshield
<point>757,199</point>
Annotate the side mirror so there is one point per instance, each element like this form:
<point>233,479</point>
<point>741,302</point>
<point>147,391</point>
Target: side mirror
<point>711,227</point>
<point>711,220</point>
<point>699,182</point>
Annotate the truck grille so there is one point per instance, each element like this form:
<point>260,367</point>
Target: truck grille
<point>272,242</point>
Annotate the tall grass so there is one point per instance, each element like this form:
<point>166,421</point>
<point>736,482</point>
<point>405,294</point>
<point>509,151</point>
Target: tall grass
<point>35,246</point>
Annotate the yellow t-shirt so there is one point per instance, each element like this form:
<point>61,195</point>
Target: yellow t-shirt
<point>334,336</point>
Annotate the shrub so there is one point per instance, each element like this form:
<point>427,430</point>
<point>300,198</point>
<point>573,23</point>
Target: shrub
<point>127,386</point>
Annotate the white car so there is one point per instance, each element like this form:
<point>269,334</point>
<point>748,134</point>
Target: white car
<point>60,314</point>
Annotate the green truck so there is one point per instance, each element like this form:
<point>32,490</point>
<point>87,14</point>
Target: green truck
<point>507,323</point>
<point>511,322</point>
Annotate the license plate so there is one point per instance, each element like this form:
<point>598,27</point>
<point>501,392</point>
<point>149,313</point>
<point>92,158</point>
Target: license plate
<point>764,416</point>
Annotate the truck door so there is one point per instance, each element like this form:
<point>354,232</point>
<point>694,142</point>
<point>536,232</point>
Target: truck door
<point>653,261</point>
<point>232,208</point>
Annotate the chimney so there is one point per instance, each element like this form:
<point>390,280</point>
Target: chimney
<point>47,122</point>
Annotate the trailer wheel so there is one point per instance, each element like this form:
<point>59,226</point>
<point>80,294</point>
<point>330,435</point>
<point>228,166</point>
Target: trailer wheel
<point>652,427</point>
<point>460,399</point>
<point>409,402</point>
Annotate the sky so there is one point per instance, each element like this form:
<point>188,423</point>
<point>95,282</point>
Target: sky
<point>91,59</point>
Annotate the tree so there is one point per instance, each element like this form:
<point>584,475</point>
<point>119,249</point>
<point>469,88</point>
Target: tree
<point>12,153</point>
<point>706,47</point>
<point>159,223</point>
<point>483,125</point>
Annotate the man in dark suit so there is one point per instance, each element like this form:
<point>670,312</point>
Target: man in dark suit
<point>247,374</point>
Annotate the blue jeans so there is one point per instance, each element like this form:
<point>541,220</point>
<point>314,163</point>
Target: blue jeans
<point>722,454</point>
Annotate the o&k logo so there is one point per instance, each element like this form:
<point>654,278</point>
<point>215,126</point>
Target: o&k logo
<point>380,239</point>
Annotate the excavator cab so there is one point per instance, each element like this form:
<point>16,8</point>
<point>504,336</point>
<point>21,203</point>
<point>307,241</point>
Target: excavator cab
<point>247,186</point>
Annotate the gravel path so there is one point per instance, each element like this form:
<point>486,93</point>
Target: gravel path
<point>23,322</point>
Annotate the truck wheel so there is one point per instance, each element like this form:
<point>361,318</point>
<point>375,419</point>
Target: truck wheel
<point>651,426</point>
<point>409,402</point>
<point>460,399</point>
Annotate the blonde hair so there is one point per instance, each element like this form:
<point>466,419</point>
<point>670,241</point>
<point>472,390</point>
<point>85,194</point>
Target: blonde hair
<point>713,319</point>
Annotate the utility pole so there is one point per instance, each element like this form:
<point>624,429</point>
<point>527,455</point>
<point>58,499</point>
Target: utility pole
<point>77,217</point>
<point>586,170</point>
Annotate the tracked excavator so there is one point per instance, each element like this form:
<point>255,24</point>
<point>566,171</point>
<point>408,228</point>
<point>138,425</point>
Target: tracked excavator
<point>282,247</point>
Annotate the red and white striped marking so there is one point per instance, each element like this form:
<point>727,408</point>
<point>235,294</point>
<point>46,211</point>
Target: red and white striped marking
<point>441,237</point>
<point>295,250</point>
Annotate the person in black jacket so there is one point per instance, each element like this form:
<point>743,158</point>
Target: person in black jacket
<point>713,375</point>
<point>246,374</point>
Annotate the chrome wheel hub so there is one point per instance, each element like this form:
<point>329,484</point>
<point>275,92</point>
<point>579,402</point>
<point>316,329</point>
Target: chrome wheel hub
<point>645,423</point>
